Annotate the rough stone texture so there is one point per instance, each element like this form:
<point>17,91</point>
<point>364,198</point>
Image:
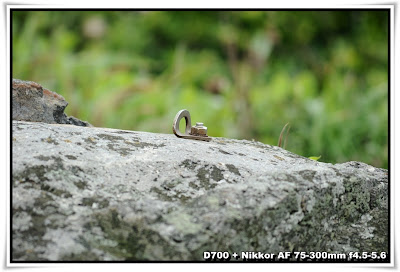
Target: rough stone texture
<point>32,102</point>
<point>106,194</point>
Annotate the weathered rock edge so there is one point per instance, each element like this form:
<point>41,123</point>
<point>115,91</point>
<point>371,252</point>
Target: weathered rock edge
<point>106,194</point>
<point>31,102</point>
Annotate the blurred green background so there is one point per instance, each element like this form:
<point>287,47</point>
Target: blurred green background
<point>245,74</point>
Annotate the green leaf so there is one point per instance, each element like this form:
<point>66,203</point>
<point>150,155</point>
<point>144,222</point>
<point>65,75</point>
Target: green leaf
<point>315,158</point>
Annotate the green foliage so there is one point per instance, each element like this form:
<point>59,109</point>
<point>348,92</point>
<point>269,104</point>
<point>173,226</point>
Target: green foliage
<point>243,73</point>
<point>315,158</point>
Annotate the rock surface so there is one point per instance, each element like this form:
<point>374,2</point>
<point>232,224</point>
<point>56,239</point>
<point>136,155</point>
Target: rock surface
<point>32,102</point>
<point>106,194</point>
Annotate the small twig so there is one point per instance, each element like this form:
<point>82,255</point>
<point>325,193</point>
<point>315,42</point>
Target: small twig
<point>281,135</point>
<point>287,133</point>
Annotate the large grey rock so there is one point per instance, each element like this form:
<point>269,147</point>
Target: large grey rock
<point>106,194</point>
<point>32,102</point>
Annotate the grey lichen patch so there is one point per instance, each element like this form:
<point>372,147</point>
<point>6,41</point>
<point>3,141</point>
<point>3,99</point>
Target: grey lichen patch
<point>133,141</point>
<point>128,142</point>
<point>111,138</point>
<point>33,174</point>
<point>248,233</point>
<point>121,150</point>
<point>233,169</point>
<point>50,141</point>
<point>90,140</point>
<point>380,240</point>
<point>366,231</point>
<point>43,158</point>
<point>42,201</point>
<point>81,185</point>
<point>174,190</point>
<point>55,191</point>
<point>310,231</point>
<point>32,227</point>
<point>208,176</point>
<point>279,158</point>
<point>307,174</point>
<point>356,199</point>
<point>285,177</point>
<point>216,174</point>
<point>85,255</point>
<point>124,151</point>
<point>183,222</point>
<point>162,194</point>
<point>378,199</point>
<point>170,184</point>
<point>144,144</point>
<point>135,240</point>
<point>89,143</point>
<point>189,164</point>
<point>95,202</point>
<point>22,221</point>
<point>36,230</point>
<point>350,209</point>
<point>288,206</point>
<point>137,247</point>
<point>224,152</point>
<point>46,177</point>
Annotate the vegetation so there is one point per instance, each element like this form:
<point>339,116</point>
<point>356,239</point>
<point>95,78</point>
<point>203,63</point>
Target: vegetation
<point>245,74</point>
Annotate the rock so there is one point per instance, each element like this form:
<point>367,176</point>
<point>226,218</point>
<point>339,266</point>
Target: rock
<point>32,102</point>
<point>106,194</point>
